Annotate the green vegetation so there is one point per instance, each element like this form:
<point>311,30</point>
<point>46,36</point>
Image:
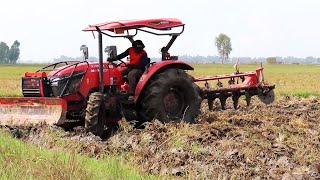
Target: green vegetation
<point>9,55</point>
<point>272,60</point>
<point>25,161</point>
<point>10,78</point>
<point>224,46</point>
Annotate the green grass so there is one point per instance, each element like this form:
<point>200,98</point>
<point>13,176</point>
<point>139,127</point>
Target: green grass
<point>25,161</point>
<point>10,78</point>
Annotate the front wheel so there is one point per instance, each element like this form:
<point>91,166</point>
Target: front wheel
<point>170,96</point>
<point>94,121</point>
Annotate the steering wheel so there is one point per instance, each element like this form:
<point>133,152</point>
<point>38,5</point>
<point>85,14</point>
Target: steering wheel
<point>122,62</point>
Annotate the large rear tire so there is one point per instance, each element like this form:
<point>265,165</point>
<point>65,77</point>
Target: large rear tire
<point>170,96</point>
<point>94,121</point>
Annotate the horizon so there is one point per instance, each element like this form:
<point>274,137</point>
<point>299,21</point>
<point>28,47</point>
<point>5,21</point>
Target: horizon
<point>195,59</point>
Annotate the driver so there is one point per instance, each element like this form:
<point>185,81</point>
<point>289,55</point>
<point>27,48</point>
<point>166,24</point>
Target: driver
<point>138,61</point>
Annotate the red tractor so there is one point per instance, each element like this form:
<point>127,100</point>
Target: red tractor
<point>95,92</point>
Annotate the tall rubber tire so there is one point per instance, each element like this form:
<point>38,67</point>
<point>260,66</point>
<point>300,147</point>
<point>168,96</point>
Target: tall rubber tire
<point>170,96</point>
<point>94,121</point>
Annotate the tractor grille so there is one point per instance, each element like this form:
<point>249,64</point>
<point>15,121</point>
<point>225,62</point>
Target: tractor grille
<point>62,86</point>
<point>31,86</point>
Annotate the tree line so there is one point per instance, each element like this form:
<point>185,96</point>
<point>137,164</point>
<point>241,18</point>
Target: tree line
<point>9,55</point>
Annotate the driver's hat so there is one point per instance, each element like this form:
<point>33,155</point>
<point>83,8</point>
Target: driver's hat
<point>138,44</point>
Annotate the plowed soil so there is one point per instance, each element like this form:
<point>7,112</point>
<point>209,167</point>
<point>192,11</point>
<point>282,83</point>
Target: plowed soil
<point>278,141</point>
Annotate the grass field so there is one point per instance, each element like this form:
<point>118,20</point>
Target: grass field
<point>19,160</point>
<point>10,78</point>
<point>290,79</point>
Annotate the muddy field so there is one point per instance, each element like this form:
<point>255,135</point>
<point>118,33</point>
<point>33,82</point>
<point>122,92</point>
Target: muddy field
<point>278,141</point>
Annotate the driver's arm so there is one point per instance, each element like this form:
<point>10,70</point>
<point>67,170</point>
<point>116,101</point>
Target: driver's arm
<point>123,55</point>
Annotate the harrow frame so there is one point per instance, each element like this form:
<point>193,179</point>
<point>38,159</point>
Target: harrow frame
<point>252,84</point>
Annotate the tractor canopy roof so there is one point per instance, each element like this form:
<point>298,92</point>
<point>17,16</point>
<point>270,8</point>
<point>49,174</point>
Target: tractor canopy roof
<point>118,27</point>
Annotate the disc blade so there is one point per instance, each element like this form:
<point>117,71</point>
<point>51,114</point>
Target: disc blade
<point>223,100</point>
<point>266,98</point>
<point>235,99</point>
<point>248,97</point>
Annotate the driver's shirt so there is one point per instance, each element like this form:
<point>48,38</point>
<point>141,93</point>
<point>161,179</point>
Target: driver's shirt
<point>138,60</point>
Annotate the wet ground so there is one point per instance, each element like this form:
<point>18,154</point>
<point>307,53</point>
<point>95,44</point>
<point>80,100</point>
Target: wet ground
<point>278,141</point>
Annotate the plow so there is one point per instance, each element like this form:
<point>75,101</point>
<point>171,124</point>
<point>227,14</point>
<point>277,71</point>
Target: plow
<point>251,84</point>
<point>96,94</point>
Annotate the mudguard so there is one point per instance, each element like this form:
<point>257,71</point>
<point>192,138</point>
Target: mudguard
<point>153,69</point>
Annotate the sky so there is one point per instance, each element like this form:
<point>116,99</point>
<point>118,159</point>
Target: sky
<point>48,29</point>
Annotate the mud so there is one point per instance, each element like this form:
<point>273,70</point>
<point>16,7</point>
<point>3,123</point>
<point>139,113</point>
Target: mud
<point>278,141</point>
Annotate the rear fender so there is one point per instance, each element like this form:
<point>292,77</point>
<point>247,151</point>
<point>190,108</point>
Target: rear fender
<point>155,69</point>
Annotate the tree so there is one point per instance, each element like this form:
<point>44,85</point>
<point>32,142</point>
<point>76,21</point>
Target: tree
<point>14,52</point>
<point>4,51</point>
<point>223,43</point>
<point>9,56</point>
<point>272,60</point>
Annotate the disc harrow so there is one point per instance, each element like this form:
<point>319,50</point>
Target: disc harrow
<point>246,84</point>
